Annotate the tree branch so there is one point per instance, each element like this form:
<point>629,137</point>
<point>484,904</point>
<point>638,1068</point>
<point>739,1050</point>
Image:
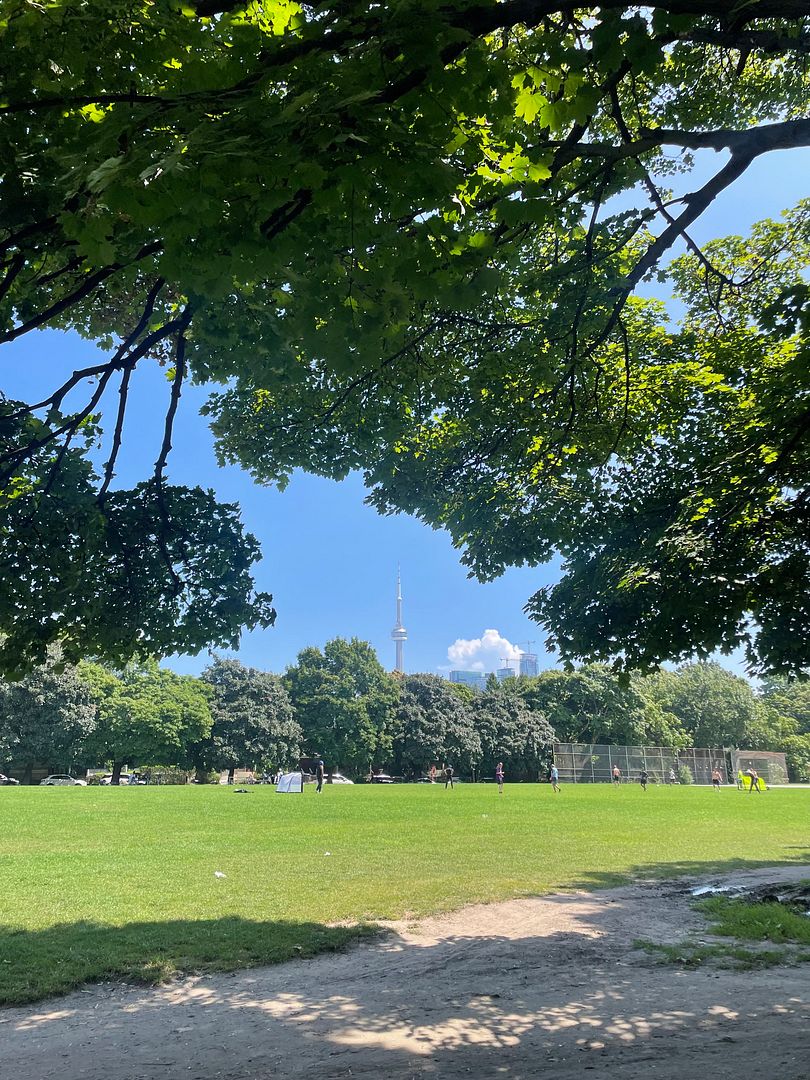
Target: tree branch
<point>89,286</point>
<point>123,390</point>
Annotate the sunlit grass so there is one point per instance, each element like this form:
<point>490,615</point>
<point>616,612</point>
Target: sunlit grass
<point>128,875</point>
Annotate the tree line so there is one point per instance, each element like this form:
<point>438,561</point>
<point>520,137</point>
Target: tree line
<point>341,703</point>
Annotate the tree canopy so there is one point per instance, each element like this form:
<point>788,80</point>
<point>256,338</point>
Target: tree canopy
<point>46,719</point>
<point>146,715</point>
<point>433,725</point>
<point>408,239</point>
<point>253,721</point>
<point>344,701</point>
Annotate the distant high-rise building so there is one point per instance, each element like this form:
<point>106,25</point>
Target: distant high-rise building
<point>476,679</point>
<point>502,673</point>
<point>399,634</point>
<point>528,663</point>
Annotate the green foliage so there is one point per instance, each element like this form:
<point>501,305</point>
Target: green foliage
<point>253,722</point>
<point>592,705</point>
<point>146,715</point>
<point>710,704</point>
<point>433,725</point>
<point>150,571</point>
<point>790,699</point>
<point>344,702</point>
<point>46,719</point>
<point>685,775</point>
<point>391,234</point>
<point>511,731</point>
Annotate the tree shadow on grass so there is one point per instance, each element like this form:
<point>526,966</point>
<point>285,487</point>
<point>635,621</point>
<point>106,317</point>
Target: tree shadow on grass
<point>41,963</point>
<point>553,986</point>
<point>60,958</point>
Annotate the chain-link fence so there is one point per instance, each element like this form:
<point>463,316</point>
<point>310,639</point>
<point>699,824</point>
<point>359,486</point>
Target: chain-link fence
<point>593,763</point>
<point>770,765</point>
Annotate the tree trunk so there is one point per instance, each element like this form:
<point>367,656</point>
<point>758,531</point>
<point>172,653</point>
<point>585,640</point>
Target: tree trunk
<point>230,775</point>
<point>28,774</point>
<point>116,773</point>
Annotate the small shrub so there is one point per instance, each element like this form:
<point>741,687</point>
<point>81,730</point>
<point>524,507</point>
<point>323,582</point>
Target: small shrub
<point>685,775</point>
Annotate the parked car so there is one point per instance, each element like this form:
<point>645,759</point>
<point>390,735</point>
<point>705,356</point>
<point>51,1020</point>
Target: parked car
<point>338,778</point>
<point>123,779</point>
<point>7,781</point>
<point>381,778</point>
<point>62,780</point>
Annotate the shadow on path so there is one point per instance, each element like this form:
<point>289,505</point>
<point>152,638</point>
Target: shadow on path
<point>505,990</point>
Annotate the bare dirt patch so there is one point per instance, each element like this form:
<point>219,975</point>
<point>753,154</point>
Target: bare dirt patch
<point>510,989</point>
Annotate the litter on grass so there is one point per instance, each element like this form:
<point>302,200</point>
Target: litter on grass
<point>218,873</point>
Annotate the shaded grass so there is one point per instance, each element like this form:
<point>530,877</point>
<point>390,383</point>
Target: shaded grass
<point>767,921</point>
<point>96,882</point>
<point>742,920</point>
<point>690,955</point>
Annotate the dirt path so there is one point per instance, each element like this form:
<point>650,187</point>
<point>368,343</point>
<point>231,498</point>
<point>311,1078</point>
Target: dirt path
<point>505,990</point>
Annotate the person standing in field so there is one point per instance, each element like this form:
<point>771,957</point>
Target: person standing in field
<point>716,779</point>
<point>448,777</point>
<point>554,777</point>
<point>499,776</point>
<point>642,779</point>
<point>319,771</point>
<point>617,775</point>
<point>754,777</point>
<point>432,774</point>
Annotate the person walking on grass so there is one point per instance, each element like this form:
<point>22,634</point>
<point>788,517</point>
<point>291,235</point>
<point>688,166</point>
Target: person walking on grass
<point>716,778</point>
<point>617,775</point>
<point>642,779</point>
<point>319,771</point>
<point>499,776</point>
<point>448,777</point>
<point>753,775</point>
<point>554,777</point>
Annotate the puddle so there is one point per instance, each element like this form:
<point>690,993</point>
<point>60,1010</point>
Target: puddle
<point>796,897</point>
<point>712,890</point>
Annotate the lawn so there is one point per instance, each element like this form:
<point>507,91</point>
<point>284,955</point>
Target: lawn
<point>100,882</point>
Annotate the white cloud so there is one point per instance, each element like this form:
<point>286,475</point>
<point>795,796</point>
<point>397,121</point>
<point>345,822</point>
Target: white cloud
<point>482,654</point>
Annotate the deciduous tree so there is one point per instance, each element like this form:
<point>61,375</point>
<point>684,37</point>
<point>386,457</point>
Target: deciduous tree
<point>511,731</point>
<point>390,232</point>
<point>344,702</point>
<point>253,721</point>
<point>433,725</point>
<point>46,718</point>
<point>147,715</point>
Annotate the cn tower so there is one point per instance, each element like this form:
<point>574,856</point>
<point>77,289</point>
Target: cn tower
<point>399,634</point>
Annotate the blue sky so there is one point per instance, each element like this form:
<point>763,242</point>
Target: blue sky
<point>330,561</point>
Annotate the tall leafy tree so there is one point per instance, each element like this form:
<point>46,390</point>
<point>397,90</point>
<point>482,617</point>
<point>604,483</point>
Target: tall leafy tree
<point>344,701</point>
<point>790,698</point>
<point>511,731</point>
<point>46,718</point>
<point>713,706</point>
<point>391,234</point>
<point>432,725</point>
<point>146,715</point>
<point>592,705</point>
<point>253,721</point>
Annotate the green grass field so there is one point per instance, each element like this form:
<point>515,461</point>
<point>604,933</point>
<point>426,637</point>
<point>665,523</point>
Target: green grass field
<point>99,882</point>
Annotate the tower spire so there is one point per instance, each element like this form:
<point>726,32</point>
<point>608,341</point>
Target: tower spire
<point>399,634</point>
